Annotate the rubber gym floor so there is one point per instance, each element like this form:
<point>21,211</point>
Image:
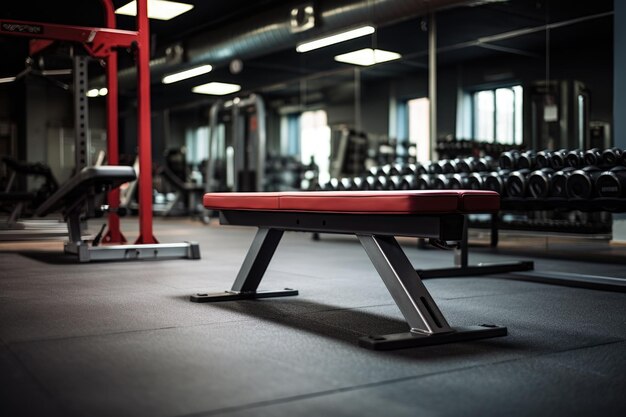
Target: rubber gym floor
<point>122,339</point>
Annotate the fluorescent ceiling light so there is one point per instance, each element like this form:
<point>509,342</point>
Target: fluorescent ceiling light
<point>367,56</point>
<point>92,93</point>
<point>103,91</point>
<point>183,75</point>
<point>339,37</point>
<point>7,80</point>
<point>216,89</point>
<point>157,9</point>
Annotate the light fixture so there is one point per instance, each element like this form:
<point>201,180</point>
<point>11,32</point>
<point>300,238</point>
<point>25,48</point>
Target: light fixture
<point>92,93</point>
<point>339,37</point>
<point>157,9</point>
<point>216,89</point>
<point>183,75</point>
<point>7,80</point>
<point>103,91</point>
<point>367,56</point>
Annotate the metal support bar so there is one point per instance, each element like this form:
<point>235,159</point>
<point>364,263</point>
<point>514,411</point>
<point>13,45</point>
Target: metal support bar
<point>81,114</point>
<point>404,284</point>
<point>251,272</point>
<point>432,81</point>
<point>187,250</point>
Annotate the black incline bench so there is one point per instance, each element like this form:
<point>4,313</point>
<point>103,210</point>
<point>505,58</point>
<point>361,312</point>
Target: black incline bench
<point>76,199</point>
<point>375,218</point>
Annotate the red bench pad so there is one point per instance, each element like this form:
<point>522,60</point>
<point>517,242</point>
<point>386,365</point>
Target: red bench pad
<point>359,202</point>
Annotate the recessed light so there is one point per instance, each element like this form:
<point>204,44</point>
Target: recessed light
<point>157,9</point>
<point>183,75</point>
<point>216,89</point>
<point>333,39</point>
<point>367,56</point>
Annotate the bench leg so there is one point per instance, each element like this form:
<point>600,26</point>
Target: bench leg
<point>252,270</point>
<point>427,324</point>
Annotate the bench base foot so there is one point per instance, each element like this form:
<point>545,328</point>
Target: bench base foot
<point>474,270</point>
<point>409,340</point>
<point>234,295</point>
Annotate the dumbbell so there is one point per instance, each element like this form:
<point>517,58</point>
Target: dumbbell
<point>593,157</point>
<point>539,182</point>
<point>448,166</point>
<point>581,183</point>
<point>348,184</point>
<point>516,183</point>
<point>331,185</point>
<point>527,160</point>
<point>575,158</point>
<point>389,170</point>
<point>508,159</point>
<point>457,181</point>
<point>557,159</point>
<point>384,183</point>
<point>372,183</point>
<point>425,182</point>
<point>359,183</point>
<point>476,180</point>
<point>542,159</point>
<point>559,182</point>
<point>496,181</point>
<point>441,182</point>
<point>410,181</point>
<point>398,182</point>
<point>484,164</point>
<point>611,157</point>
<point>612,183</point>
<point>463,165</point>
<point>433,168</point>
<point>417,169</point>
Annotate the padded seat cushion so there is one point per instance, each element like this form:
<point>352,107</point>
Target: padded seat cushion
<point>359,202</point>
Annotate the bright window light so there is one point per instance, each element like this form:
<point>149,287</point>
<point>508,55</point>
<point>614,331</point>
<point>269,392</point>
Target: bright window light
<point>216,89</point>
<point>339,37</point>
<point>92,93</point>
<point>103,91</point>
<point>367,56</point>
<point>157,9</point>
<point>183,75</point>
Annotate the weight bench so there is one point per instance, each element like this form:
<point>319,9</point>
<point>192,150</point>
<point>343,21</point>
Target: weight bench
<point>76,199</point>
<point>375,218</point>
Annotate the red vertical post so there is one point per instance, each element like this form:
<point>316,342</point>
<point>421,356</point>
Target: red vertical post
<point>113,234</point>
<point>144,134</point>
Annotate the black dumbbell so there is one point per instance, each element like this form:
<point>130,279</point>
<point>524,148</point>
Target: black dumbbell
<point>348,184</point>
<point>397,182</point>
<point>372,183</point>
<point>485,164</point>
<point>441,182</point>
<point>575,158</point>
<point>516,183</point>
<point>611,157</point>
<point>527,160</point>
<point>384,183</point>
<point>593,157</point>
<point>539,182</point>
<point>496,181</point>
<point>331,185</point>
<point>359,183</point>
<point>509,159</point>
<point>542,159</point>
<point>559,182</point>
<point>417,169</point>
<point>389,170</point>
<point>612,183</point>
<point>448,166</point>
<point>476,180</point>
<point>411,181</point>
<point>581,183</point>
<point>425,182</point>
<point>433,168</point>
<point>463,165</point>
<point>457,181</point>
<point>557,159</point>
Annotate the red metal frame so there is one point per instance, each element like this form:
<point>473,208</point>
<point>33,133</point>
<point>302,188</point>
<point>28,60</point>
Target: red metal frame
<point>102,43</point>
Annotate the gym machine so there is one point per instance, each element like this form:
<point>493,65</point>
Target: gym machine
<point>103,43</point>
<point>246,134</point>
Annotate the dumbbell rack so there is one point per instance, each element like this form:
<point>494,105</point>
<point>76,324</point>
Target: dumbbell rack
<point>462,267</point>
<point>525,269</point>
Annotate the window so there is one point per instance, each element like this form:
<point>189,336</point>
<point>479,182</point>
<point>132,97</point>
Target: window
<point>315,141</point>
<point>497,115</point>
<point>419,127</point>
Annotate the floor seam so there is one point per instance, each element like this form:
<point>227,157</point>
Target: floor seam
<point>318,394</point>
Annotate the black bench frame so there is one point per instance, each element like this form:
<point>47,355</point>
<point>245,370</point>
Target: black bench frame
<point>427,323</point>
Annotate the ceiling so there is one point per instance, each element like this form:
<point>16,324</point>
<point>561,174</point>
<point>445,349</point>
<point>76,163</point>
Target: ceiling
<point>284,72</point>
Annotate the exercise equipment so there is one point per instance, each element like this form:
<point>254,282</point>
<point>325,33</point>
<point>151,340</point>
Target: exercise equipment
<point>575,158</point>
<point>539,183</point>
<point>375,218</point>
<point>557,159</point>
<point>516,183</point>
<point>593,157</point>
<point>612,183</point>
<point>77,200</point>
<point>580,184</point>
<point>611,157</point>
<point>559,182</point>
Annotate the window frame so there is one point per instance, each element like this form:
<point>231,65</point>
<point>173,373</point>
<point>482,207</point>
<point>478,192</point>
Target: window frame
<point>493,88</point>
